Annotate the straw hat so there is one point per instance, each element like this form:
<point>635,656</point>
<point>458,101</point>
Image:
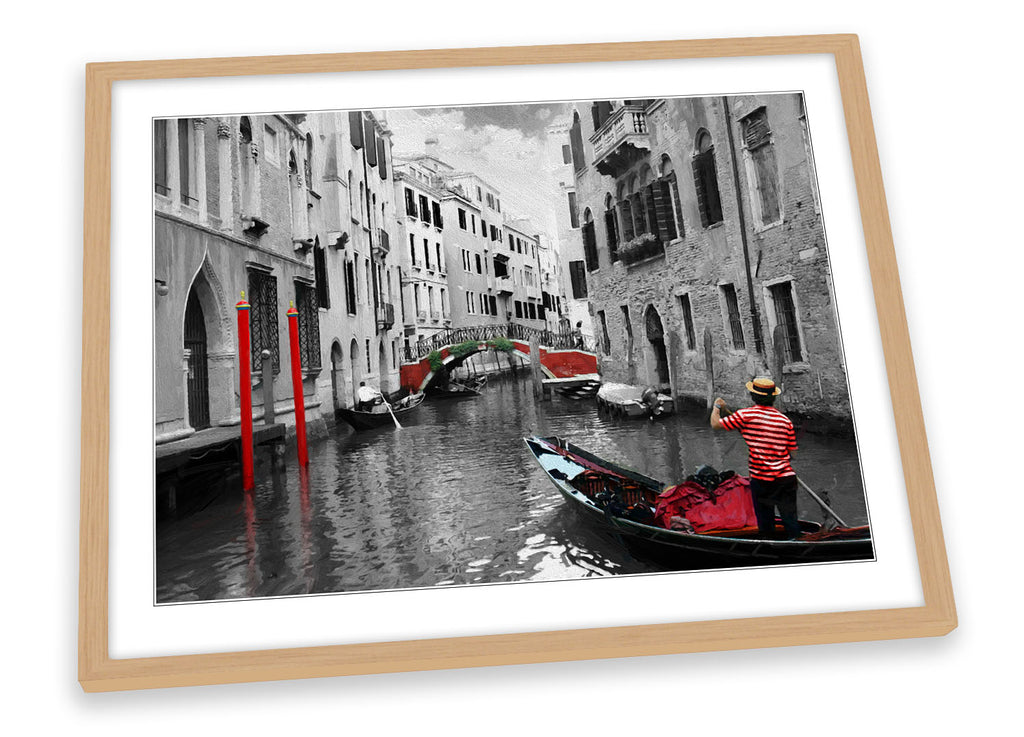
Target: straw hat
<point>764,386</point>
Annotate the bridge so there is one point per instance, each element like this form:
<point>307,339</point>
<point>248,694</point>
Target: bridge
<point>562,355</point>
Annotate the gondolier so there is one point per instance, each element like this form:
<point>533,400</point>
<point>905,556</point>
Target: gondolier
<point>367,396</point>
<point>770,441</point>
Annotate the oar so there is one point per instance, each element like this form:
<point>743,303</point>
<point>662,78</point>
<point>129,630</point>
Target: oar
<point>397,423</point>
<point>820,501</point>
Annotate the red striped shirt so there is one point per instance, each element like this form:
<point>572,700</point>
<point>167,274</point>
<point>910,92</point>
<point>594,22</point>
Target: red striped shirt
<point>770,439</point>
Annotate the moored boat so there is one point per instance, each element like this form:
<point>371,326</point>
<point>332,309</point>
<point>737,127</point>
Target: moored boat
<point>627,502</point>
<point>624,400</point>
<point>453,390</point>
<point>379,416</point>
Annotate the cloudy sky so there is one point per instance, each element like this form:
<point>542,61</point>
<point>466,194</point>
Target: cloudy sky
<point>503,144</point>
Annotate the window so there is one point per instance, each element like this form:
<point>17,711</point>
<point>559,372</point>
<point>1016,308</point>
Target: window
<point>734,327</point>
<point>761,167</point>
<point>185,160</point>
<point>490,200</point>
<point>424,210</point>
<point>574,214</point>
<point>382,166</point>
<point>611,227</point>
<point>576,143</point>
<point>160,184</point>
<point>426,253</point>
<point>473,222</point>
<point>479,195</point>
<point>511,242</point>
<point>309,326</point>
<point>786,318</point>
<point>671,216</point>
<point>471,303</point>
<point>533,310</point>
<point>687,310</point>
<point>444,303</point>
<point>566,154</point>
<point>370,151</point>
<point>307,161</point>
<point>600,111</point>
<point>705,178</point>
<point>440,264</point>
<point>494,233</point>
<point>479,267</point>
<point>355,128</point>
<point>350,287</point>
<point>323,294</point>
<point>606,343</point>
<point>589,241</point>
<point>416,298</point>
<point>628,327</point>
<point>494,304</point>
<point>436,209</point>
<point>369,368</point>
<point>262,296</point>
<point>519,308</point>
<point>410,202</point>
<point>578,278</point>
<point>270,146</point>
<point>412,248</point>
<point>462,218</point>
<point>483,228</point>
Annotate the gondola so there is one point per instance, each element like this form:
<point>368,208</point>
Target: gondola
<point>454,390</point>
<point>602,490</point>
<point>379,416</point>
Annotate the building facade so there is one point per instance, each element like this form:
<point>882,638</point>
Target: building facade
<point>289,209</point>
<point>704,249</point>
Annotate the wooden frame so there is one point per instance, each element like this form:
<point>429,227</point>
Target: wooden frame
<point>99,672</point>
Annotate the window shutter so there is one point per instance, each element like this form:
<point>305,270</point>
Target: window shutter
<point>672,184</point>
<point>370,137</point>
<point>590,246</point>
<point>755,129</point>
<point>662,211</point>
<point>698,183</point>
<point>355,128</point>
<point>382,165</point>
<point>613,236</point>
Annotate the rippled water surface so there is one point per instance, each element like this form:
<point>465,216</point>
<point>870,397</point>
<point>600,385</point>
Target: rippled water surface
<point>453,498</point>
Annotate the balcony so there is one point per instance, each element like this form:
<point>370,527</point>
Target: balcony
<point>385,316</point>
<point>621,141</point>
<point>504,285</point>
<point>383,242</point>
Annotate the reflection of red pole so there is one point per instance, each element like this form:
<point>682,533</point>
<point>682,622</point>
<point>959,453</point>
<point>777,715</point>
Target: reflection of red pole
<point>245,391</point>
<point>300,403</point>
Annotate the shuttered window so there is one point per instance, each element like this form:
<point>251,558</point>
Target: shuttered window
<point>410,202</point>
<point>424,210</point>
<point>262,296</point>
<point>574,213</point>
<point>590,246</point>
<point>578,278</point>
<point>687,310</point>
<point>160,156</point>
<point>323,293</point>
<point>382,165</point>
<point>612,229</point>
<point>350,287</point>
<point>436,209</point>
<point>705,179</point>
<point>732,315</point>
<point>370,136</point>
<point>309,326</point>
<point>786,318</point>
<point>355,128</point>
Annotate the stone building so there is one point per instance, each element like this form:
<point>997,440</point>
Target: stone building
<point>423,257</point>
<point>284,208</point>
<point>704,248</point>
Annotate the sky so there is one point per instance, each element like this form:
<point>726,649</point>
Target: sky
<point>502,144</point>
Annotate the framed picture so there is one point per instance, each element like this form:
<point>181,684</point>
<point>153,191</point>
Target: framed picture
<point>438,359</point>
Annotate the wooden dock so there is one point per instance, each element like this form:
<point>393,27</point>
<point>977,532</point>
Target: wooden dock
<point>177,454</point>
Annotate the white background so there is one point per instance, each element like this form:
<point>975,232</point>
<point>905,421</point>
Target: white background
<point>943,92</point>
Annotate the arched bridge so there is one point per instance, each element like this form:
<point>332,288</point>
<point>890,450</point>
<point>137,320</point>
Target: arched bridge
<point>562,355</point>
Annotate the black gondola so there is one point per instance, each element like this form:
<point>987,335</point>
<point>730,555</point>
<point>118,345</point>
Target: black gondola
<point>597,479</point>
<point>379,416</point>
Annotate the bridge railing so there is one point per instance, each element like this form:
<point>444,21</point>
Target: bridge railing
<point>513,331</point>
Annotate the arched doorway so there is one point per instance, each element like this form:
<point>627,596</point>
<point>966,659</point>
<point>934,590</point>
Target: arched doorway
<point>337,375</point>
<point>353,357</point>
<point>198,379</point>
<point>656,339</point>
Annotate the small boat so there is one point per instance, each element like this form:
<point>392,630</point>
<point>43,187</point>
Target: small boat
<point>583,386</point>
<point>454,390</point>
<point>606,493</point>
<point>379,416</point>
<point>623,400</point>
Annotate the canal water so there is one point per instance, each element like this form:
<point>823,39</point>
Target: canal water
<point>453,498</point>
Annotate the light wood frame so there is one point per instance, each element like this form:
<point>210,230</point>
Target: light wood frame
<point>98,672</point>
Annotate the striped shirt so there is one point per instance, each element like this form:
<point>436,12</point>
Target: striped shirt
<point>770,439</point>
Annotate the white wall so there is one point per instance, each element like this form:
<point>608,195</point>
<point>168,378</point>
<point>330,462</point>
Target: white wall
<point>959,265</point>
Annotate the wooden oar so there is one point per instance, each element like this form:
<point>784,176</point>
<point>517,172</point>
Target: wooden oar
<point>397,423</point>
<point>820,501</point>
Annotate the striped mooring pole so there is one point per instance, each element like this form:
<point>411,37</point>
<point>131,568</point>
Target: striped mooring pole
<point>245,393</point>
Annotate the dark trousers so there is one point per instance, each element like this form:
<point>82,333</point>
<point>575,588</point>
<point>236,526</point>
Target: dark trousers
<point>769,495</point>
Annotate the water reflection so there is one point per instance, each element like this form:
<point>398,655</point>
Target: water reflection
<point>452,499</point>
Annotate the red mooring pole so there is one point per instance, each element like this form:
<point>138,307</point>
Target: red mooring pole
<point>300,403</point>
<point>245,392</point>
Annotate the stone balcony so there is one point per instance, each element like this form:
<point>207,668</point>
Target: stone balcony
<point>621,140</point>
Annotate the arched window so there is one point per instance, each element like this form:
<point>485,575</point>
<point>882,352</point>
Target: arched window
<point>625,213</point>
<point>611,226</point>
<point>670,194</point>
<point>576,143</point>
<point>705,179</point>
<point>589,241</point>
